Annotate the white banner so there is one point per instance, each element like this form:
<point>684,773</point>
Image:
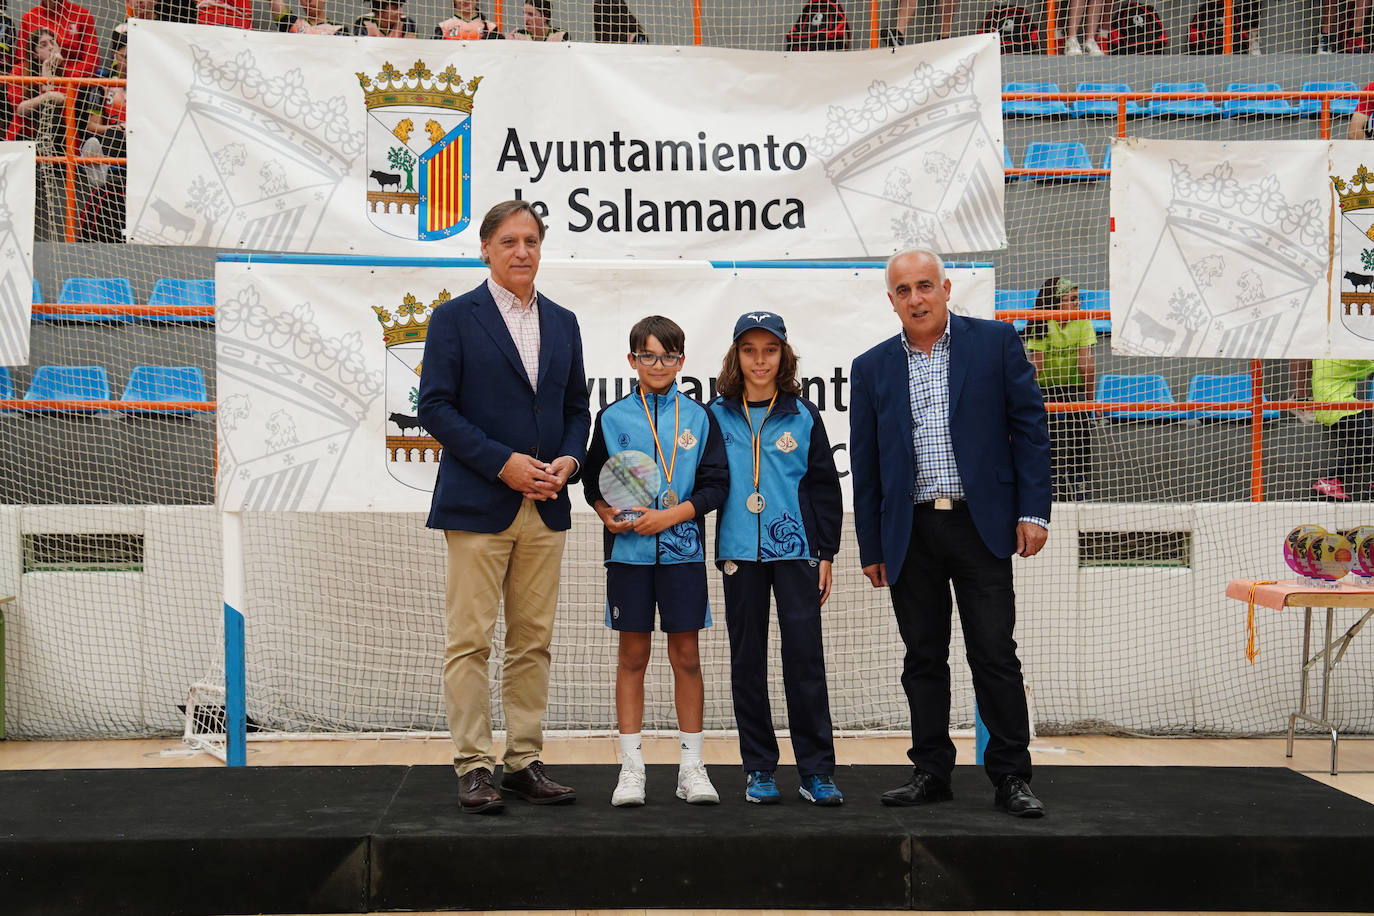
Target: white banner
<point>16,251</point>
<point>265,141</point>
<point>1226,249</point>
<point>317,400</point>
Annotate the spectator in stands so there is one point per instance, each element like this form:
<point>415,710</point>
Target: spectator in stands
<point>539,23</point>
<point>1062,354</point>
<point>906,9</point>
<point>8,51</point>
<point>504,391</point>
<point>236,14</point>
<point>468,23</point>
<point>1358,128</point>
<point>613,23</point>
<point>385,20</point>
<point>1347,37</point>
<point>1350,431</point>
<point>74,30</point>
<point>949,500</point>
<point>312,21</point>
<point>103,107</point>
<point>40,115</point>
<point>1097,11</point>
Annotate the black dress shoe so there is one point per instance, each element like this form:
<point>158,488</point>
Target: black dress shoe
<point>922,789</point>
<point>1016,798</point>
<point>477,794</point>
<point>891,38</point>
<point>534,786</point>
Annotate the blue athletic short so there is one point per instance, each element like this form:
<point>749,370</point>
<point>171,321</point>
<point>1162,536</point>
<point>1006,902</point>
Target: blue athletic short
<point>678,589</point>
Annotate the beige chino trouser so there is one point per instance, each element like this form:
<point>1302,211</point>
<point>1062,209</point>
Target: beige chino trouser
<point>522,565</point>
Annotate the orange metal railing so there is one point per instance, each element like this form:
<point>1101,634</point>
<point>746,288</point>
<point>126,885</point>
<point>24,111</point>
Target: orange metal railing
<point>1257,405</point>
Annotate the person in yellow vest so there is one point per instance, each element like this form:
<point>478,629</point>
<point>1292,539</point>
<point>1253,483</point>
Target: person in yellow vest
<point>1350,430</point>
<point>1062,354</point>
<point>467,23</point>
<point>539,23</point>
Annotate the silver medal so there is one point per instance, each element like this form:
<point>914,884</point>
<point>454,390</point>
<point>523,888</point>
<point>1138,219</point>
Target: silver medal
<point>754,503</point>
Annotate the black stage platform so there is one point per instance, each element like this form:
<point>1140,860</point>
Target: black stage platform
<point>361,839</point>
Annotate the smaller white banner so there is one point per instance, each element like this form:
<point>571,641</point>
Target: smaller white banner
<point>1220,249</point>
<point>317,376</point>
<point>16,251</point>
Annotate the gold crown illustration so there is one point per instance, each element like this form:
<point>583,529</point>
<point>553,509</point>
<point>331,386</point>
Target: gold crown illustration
<point>411,322</point>
<point>1351,197</point>
<point>419,86</point>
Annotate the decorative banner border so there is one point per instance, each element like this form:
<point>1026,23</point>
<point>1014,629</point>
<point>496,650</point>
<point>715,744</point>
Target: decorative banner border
<point>255,140</point>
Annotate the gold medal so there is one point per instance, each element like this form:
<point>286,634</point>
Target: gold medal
<point>754,503</point>
<point>669,498</point>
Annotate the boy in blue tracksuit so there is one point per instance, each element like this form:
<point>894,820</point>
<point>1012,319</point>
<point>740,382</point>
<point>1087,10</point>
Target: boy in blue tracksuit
<point>658,559</point>
<point>779,529</point>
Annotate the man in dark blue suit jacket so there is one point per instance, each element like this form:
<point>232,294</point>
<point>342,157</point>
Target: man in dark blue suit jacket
<point>504,391</point>
<point>950,462</point>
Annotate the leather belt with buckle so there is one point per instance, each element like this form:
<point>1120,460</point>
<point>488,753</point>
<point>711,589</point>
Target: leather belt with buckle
<point>943,504</point>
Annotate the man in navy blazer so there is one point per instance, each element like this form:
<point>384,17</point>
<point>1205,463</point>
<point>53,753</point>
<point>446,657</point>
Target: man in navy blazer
<point>950,462</point>
<point>503,389</point>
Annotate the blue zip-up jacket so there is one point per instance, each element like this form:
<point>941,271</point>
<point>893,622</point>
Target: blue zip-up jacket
<point>699,474</point>
<point>801,489</point>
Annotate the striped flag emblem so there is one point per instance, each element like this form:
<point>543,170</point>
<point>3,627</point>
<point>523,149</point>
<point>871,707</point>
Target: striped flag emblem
<point>444,177</point>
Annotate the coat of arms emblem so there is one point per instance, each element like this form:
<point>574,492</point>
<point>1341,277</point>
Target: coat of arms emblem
<point>412,454</point>
<point>419,151</point>
<point>1354,260</point>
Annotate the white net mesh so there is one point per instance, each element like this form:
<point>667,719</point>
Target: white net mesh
<point>1123,623</point>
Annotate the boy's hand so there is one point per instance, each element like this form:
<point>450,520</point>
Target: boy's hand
<point>825,576</point>
<point>655,520</point>
<point>606,513</point>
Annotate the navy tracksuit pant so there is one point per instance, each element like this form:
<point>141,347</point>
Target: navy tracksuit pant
<point>794,584</point>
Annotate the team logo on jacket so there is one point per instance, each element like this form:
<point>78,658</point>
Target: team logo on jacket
<point>412,454</point>
<point>687,441</point>
<point>419,151</point>
<point>786,443</point>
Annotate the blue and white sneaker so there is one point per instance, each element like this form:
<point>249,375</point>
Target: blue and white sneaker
<point>820,790</point>
<point>761,789</point>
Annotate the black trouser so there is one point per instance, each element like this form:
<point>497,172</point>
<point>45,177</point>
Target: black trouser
<point>1071,441</point>
<point>794,585</point>
<point>945,547</point>
<point>1353,437</point>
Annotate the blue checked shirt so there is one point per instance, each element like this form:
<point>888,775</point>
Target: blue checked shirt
<point>927,386</point>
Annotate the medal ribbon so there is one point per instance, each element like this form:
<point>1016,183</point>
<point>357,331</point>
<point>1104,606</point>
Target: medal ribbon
<point>757,436</point>
<point>667,465</point>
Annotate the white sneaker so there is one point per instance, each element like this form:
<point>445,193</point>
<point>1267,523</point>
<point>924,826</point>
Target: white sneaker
<point>694,786</point>
<point>1092,48</point>
<point>629,788</point>
<point>1072,47</point>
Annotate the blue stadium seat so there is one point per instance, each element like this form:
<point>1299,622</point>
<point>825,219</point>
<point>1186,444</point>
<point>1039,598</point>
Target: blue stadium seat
<point>1094,299</point>
<point>1033,108</point>
<point>1057,155</point>
<point>1221,389</point>
<point>6,385</point>
<point>166,383</point>
<point>69,383</point>
<point>169,291</point>
<point>1312,107</point>
<point>1182,108</point>
<point>96,290</point>
<point>37,291</point>
<point>1006,162</point>
<point>1245,108</point>
<point>1014,299</point>
<point>1136,389</point>
<point>1103,108</point>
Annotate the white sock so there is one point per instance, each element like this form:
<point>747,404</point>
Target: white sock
<point>631,749</point>
<point>691,747</point>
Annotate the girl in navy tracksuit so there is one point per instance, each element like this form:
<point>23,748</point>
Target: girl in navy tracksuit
<point>778,530</point>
